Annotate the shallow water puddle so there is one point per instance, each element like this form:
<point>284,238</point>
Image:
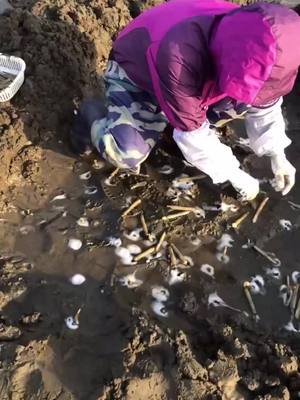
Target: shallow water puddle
<point>77,236</point>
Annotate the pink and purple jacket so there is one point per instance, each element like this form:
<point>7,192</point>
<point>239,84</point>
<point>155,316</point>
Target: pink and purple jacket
<point>191,54</point>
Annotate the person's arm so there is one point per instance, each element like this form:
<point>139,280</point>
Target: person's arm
<point>203,149</point>
<point>266,131</point>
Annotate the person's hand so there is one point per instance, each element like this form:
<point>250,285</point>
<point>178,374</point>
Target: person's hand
<point>284,174</point>
<point>245,185</point>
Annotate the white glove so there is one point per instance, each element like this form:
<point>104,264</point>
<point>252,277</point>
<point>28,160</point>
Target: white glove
<point>245,185</point>
<point>203,149</point>
<point>284,173</point>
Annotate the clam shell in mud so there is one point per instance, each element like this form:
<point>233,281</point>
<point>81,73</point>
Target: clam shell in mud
<point>90,190</point>
<point>176,276</point>
<point>214,300</point>
<point>195,241</point>
<point>75,244</point>
<point>85,176</point>
<point>160,293</point>
<point>257,285</point>
<point>71,323</point>
<point>114,242</point>
<point>130,281</point>
<point>134,249</point>
<point>273,272</point>
<point>285,294</point>
<point>226,240</point>
<point>296,277</point>
<point>122,252</point>
<point>166,169</point>
<point>208,270</point>
<point>83,222</point>
<point>159,309</point>
<point>134,235</point>
<point>125,256</point>
<point>286,224</point>
<point>61,196</point>
<point>77,279</point>
<point>291,327</point>
<point>223,258</point>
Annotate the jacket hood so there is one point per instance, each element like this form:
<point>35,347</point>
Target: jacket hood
<point>256,52</point>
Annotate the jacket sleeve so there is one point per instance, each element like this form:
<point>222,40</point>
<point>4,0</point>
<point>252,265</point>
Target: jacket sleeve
<point>266,130</point>
<point>203,149</point>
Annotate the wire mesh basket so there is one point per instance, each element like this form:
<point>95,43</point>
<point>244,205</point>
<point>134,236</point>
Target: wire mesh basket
<point>11,76</point>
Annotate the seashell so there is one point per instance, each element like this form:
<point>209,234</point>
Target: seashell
<point>226,240</point>
<point>223,258</point>
<point>189,260</point>
<point>160,293</point>
<point>215,300</point>
<point>108,182</point>
<point>85,176</point>
<point>257,283</point>
<point>128,260</point>
<point>77,279</point>
<point>61,196</point>
<point>153,257</point>
<point>122,252</point>
<point>195,241</point>
<point>296,277</point>
<point>125,255</point>
<point>166,169</point>
<point>286,224</point>
<point>176,276</point>
<point>285,294</point>
<point>97,164</point>
<point>246,246</point>
<point>159,309</point>
<point>273,272</point>
<point>134,249</point>
<point>83,221</point>
<point>291,327</point>
<point>148,243</point>
<point>134,235</point>
<point>71,323</point>
<point>208,270</point>
<point>130,281</point>
<point>114,241</point>
<point>225,207</point>
<point>75,244</point>
<point>90,190</point>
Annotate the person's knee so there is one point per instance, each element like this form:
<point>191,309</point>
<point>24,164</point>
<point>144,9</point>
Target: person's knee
<point>124,158</point>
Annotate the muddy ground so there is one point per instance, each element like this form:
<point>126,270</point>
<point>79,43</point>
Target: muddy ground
<point>122,349</point>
